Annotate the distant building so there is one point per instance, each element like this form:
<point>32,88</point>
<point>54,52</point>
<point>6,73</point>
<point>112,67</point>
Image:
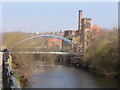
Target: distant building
<point>96,31</point>
<point>55,42</point>
<point>81,36</point>
<point>86,35</point>
<point>69,33</point>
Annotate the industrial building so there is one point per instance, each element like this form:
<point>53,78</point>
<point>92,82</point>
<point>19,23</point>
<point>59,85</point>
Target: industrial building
<point>55,42</point>
<point>81,36</point>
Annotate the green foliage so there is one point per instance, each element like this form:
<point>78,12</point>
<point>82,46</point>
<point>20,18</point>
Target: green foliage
<point>102,56</point>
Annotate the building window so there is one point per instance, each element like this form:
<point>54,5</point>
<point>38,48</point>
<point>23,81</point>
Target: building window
<point>87,25</point>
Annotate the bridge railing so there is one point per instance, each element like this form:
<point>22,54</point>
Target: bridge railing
<point>9,81</point>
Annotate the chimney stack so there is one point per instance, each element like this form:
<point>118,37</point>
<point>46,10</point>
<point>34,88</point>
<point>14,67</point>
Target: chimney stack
<point>80,21</point>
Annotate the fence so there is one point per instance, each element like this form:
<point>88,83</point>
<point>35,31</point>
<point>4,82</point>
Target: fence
<point>9,81</point>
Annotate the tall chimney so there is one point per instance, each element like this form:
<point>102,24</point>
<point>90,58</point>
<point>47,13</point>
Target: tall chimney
<point>80,21</point>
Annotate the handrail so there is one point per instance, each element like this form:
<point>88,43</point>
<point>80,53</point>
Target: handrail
<point>9,81</point>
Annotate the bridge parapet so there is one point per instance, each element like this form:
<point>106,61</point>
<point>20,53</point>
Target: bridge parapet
<point>9,81</point>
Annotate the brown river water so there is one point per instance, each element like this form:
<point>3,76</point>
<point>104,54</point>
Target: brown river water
<point>61,76</point>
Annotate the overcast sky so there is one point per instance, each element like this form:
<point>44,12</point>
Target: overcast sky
<point>51,16</point>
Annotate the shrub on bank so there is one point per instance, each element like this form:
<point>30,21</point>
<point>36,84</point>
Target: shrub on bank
<point>102,55</point>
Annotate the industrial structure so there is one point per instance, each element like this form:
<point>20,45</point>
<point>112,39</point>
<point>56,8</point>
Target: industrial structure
<point>83,35</point>
<point>55,42</point>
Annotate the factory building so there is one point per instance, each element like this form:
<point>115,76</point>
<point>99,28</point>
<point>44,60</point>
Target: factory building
<point>85,36</point>
<point>81,36</point>
<point>55,42</point>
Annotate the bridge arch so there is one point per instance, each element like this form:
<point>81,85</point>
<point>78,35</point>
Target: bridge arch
<point>53,36</point>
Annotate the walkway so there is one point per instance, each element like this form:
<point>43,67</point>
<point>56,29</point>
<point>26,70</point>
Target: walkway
<point>1,70</point>
<point>45,52</point>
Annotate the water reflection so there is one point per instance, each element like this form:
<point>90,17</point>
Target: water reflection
<point>48,74</point>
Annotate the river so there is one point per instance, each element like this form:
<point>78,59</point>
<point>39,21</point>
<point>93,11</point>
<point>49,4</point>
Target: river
<point>61,76</point>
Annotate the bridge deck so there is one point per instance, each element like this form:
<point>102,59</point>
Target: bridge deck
<point>1,70</point>
<point>45,52</point>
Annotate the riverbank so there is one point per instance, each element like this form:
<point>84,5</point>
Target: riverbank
<point>88,68</point>
<point>101,57</point>
<point>40,65</point>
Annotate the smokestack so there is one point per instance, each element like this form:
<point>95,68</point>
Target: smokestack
<point>80,21</point>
